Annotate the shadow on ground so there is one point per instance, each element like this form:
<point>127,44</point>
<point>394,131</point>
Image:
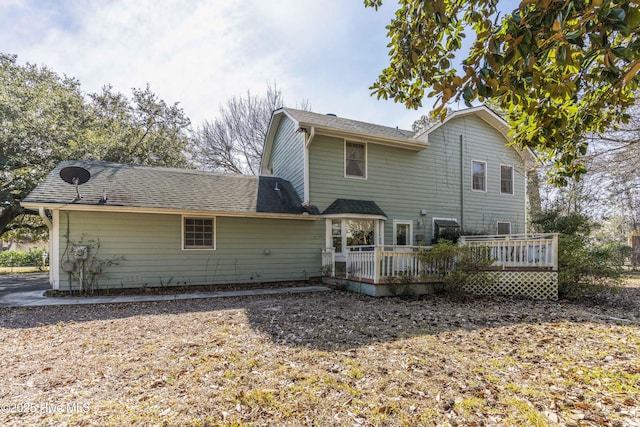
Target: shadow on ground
<point>334,321</point>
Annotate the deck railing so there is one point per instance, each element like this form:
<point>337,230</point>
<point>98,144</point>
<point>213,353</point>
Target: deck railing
<point>329,262</point>
<point>519,250</point>
<point>374,263</point>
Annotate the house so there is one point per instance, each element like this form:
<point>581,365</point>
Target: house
<point>329,186</point>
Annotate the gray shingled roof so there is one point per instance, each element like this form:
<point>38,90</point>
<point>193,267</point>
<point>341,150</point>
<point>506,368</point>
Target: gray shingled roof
<point>167,188</point>
<point>350,206</point>
<point>348,125</point>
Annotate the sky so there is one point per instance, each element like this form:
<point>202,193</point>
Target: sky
<point>201,53</point>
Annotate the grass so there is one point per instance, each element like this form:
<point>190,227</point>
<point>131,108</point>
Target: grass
<point>22,270</point>
<point>323,359</point>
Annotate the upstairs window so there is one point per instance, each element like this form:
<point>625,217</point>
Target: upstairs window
<point>479,175</point>
<point>355,160</point>
<point>198,233</point>
<point>506,179</point>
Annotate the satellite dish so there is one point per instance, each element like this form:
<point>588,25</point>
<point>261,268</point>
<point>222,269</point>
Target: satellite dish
<point>75,175</point>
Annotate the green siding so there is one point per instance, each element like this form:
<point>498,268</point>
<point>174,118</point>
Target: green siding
<point>287,155</point>
<point>403,182</point>
<point>151,247</point>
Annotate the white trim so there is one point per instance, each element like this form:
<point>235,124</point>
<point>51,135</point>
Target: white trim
<point>366,160</point>
<point>54,255</point>
<point>490,117</point>
<point>166,211</point>
<point>354,216</point>
<point>513,179</point>
<point>404,143</point>
<point>397,222</point>
<point>498,227</point>
<point>305,184</point>
<point>215,232</point>
<point>485,175</point>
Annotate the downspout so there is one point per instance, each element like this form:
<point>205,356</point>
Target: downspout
<point>49,225</point>
<point>45,218</point>
<point>461,183</point>
<point>307,142</point>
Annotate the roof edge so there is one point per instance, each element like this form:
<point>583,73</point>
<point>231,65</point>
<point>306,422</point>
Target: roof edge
<point>165,211</point>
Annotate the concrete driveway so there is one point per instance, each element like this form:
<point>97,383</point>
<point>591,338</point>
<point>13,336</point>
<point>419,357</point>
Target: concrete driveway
<point>10,283</point>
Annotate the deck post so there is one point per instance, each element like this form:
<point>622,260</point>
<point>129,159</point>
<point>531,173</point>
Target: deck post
<point>555,251</point>
<point>347,264</point>
<point>376,264</point>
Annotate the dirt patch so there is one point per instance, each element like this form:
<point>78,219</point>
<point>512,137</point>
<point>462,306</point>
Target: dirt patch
<point>323,359</point>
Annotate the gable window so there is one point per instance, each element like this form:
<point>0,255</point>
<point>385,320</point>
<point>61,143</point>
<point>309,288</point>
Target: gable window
<point>355,160</point>
<point>506,179</point>
<point>198,233</point>
<point>402,233</point>
<point>504,227</point>
<point>479,175</point>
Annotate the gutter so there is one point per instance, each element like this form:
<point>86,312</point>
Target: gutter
<point>166,211</point>
<point>307,142</point>
<point>363,137</point>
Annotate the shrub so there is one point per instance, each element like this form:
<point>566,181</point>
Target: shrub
<point>583,269</point>
<point>457,265</point>
<point>13,258</point>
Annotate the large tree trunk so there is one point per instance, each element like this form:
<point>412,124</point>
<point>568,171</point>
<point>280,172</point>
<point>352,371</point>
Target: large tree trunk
<point>533,195</point>
<point>8,214</point>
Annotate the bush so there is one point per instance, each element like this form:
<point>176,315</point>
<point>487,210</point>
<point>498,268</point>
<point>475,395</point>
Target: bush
<point>583,269</point>
<point>457,265</point>
<point>33,257</point>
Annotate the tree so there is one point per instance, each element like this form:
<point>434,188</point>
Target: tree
<point>141,130</point>
<point>562,69</point>
<point>45,119</point>
<point>614,158</point>
<point>41,114</point>
<point>234,141</point>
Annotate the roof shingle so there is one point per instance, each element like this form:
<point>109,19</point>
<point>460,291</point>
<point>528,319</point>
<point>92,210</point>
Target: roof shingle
<point>168,188</point>
<point>348,125</point>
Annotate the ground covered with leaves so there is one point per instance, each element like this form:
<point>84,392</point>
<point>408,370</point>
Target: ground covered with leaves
<point>324,359</point>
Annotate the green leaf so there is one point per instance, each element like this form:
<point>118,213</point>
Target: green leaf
<point>617,14</point>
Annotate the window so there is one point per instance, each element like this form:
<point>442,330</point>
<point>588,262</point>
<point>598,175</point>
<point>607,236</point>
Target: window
<point>198,233</point>
<point>479,175</point>
<point>445,228</point>
<point>506,179</point>
<point>355,160</point>
<point>504,228</point>
<point>352,232</point>
<point>336,235</point>
<point>402,233</point>
<point>359,232</point>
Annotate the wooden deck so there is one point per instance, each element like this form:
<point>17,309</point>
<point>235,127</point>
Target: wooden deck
<point>517,260</point>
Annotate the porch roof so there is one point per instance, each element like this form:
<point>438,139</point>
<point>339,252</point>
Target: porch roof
<point>446,223</point>
<point>356,207</point>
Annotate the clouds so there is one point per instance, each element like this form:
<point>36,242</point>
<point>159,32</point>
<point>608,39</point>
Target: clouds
<point>201,53</point>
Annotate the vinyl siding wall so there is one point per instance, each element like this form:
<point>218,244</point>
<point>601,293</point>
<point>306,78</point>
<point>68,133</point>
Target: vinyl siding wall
<point>151,247</point>
<point>403,182</point>
<point>287,155</point>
